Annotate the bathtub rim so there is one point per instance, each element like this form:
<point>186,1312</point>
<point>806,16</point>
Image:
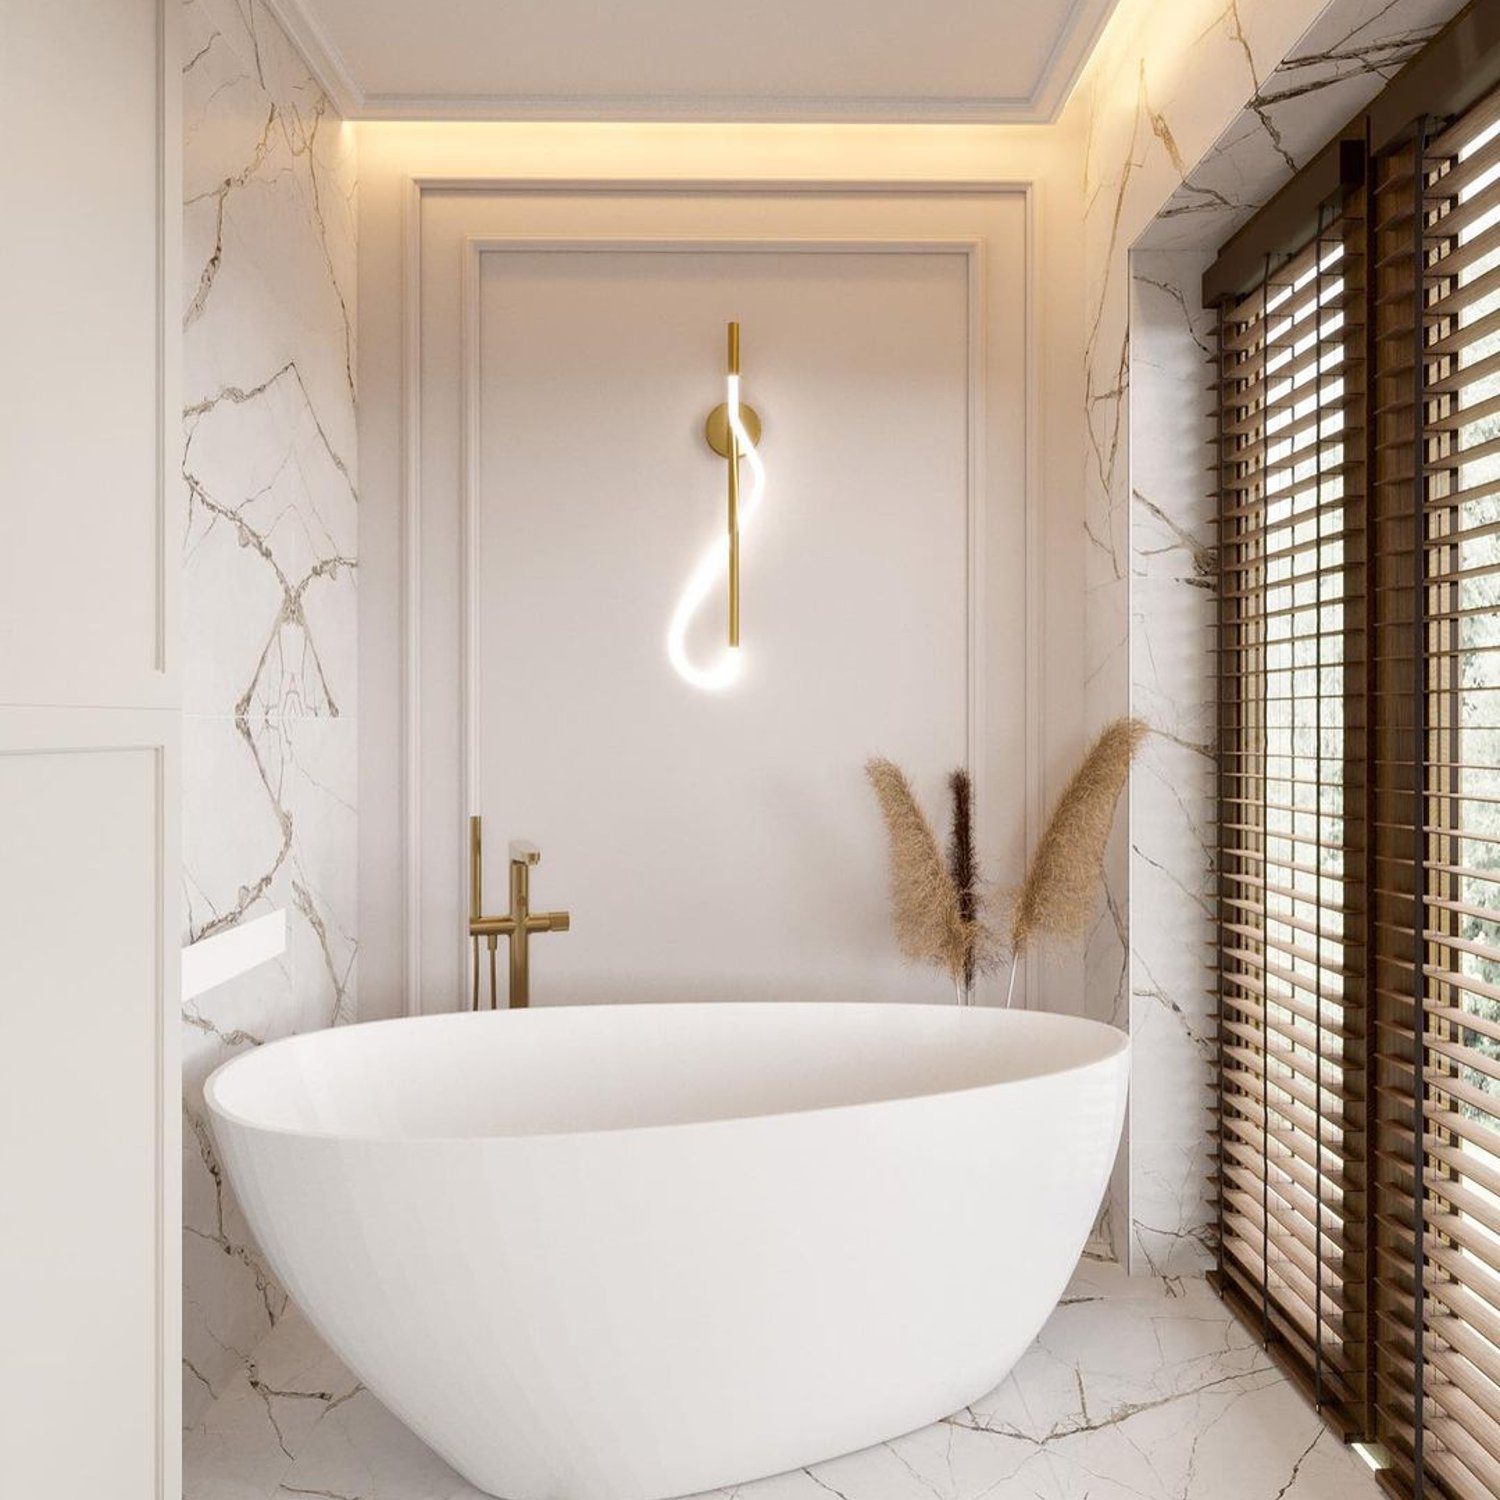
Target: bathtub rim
<point>1118,1047</point>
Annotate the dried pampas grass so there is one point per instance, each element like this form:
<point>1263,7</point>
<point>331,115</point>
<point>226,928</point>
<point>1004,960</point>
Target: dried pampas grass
<point>1060,893</point>
<point>929,927</point>
<point>963,867</point>
<point>935,908</point>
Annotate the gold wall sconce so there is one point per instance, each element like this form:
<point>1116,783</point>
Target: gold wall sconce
<point>733,431</point>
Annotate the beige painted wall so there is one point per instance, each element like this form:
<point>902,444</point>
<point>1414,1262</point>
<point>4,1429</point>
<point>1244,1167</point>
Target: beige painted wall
<point>1044,160</point>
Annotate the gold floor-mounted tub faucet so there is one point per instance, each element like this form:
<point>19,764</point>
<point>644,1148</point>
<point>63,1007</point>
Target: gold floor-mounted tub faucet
<point>517,924</point>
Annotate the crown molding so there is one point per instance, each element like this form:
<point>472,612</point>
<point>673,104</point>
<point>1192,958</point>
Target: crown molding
<point>1075,42</point>
<point>729,109</point>
<point>323,59</point>
<point>1070,53</point>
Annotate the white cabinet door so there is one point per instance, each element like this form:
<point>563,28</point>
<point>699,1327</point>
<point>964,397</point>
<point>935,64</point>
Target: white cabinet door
<point>88,751</point>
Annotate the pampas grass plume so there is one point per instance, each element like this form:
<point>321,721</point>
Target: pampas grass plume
<point>1060,893</point>
<point>929,924</point>
<point>963,868</point>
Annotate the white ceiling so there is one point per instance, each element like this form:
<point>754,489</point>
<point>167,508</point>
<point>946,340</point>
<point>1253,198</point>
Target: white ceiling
<point>899,60</point>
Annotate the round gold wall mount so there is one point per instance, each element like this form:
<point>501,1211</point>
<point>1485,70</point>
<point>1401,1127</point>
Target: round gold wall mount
<point>716,428</point>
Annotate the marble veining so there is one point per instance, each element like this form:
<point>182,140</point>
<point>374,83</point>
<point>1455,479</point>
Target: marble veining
<point>1137,1389</point>
<point>1172,856</point>
<point>1350,52</point>
<point>269,567</point>
<point>1192,115</point>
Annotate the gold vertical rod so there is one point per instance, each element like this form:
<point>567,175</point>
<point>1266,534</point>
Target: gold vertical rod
<point>494,994</point>
<point>476,869</point>
<point>734,539</point>
<point>733,353</point>
<point>476,879</point>
<point>520,940</point>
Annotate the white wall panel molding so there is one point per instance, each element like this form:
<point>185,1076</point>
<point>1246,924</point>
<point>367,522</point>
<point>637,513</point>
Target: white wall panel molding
<point>96,601</point>
<point>89,895</point>
<point>971,251</point>
<point>90,414</point>
<point>416,899</point>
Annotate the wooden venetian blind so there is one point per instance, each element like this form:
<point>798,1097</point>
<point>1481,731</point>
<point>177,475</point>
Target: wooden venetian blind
<point>1290,456</point>
<point>1358,458</point>
<point>1435,934</point>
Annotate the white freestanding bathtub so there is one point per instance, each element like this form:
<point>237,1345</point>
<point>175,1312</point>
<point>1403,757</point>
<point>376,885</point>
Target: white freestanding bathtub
<point>626,1252</point>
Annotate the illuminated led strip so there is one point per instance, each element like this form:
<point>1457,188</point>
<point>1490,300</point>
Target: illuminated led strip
<point>713,567</point>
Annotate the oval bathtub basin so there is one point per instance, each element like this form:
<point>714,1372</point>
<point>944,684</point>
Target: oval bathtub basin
<point>634,1251</point>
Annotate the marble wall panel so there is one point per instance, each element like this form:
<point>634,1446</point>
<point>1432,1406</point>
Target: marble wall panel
<point>1194,114</point>
<point>269,579</point>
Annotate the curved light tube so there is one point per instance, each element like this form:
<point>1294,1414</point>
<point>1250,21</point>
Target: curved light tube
<point>714,566</point>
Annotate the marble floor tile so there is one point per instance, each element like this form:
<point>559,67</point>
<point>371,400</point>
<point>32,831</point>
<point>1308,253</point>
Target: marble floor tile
<point>1138,1389</point>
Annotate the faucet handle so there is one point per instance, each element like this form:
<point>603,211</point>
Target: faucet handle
<point>523,853</point>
